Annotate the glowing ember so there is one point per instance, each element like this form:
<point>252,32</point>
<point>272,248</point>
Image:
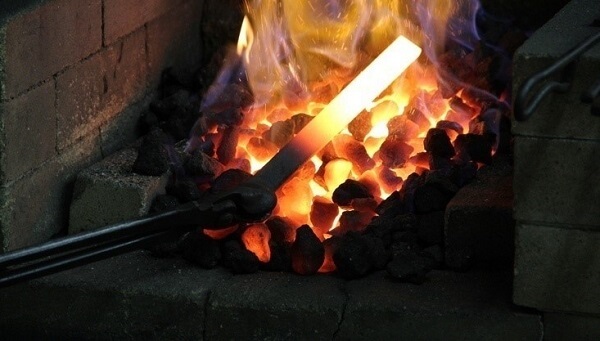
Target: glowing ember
<point>341,79</point>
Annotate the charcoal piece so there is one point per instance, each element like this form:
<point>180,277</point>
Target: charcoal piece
<point>163,203</point>
<point>392,206</point>
<point>322,214</point>
<point>228,146</point>
<point>407,192</point>
<point>384,227</point>
<point>429,198</point>
<point>439,162</point>
<point>307,252</point>
<point>450,125</point>
<point>442,180</point>
<point>261,149</point>
<point>431,228</point>
<point>176,104</point>
<point>394,152</point>
<point>474,147</point>
<point>409,237</point>
<point>361,125</point>
<point>281,258</point>
<point>412,268</point>
<point>353,221</point>
<point>184,190</point>
<point>365,205</point>
<point>199,164</point>
<point>148,121</point>
<point>328,153</point>
<point>436,254</point>
<point>388,180</point>
<point>378,255</point>
<point>462,174</point>
<point>300,121</point>
<point>401,248</point>
<point>458,105</point>
<point>200,249</point>
<point>241,164</point>
<point>177,127</point>
<point>280,133</point>
<point>401,127</point>
<point>352,256</point>
<point>229,180</point>
<point>417,116</point>
<point>238,259</point>
<point>350,189</point>
<point>330,246</point>
<point>279,114</point>
<point>350,149</point>
<point>152,158</point>
<point>282,229</point>
<point>438,143</point>
<point>306,171</point>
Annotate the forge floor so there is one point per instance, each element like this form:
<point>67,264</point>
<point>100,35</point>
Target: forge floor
<point>136,296</point>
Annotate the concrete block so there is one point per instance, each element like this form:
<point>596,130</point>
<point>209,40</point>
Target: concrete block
<point>558,327</point>
<point>174,41</point>
<point>275,306</point>
<point>124,128</point>
<point>29,131</point>
<point>38,40</point>
<point>557,269</point>
<point>122,17</point>
<point>127,297</point>
<point>34,208</point>
<point>479,229</point>
<point>449,306</point>
<point>109,193</point>
<point>556,182</point>
<point>561,115</point>
<point>99,88</point>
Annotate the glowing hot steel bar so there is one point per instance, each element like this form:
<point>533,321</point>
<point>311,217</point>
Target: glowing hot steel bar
<point>355,97</point>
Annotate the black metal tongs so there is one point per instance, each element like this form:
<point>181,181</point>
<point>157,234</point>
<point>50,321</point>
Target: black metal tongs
<point>247,203</point>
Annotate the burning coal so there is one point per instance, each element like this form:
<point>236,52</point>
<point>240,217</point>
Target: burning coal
<point>303,72</point>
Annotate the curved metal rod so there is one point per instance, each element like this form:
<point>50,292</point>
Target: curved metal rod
<point>525,103</point>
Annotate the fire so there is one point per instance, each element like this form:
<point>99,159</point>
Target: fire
<point>318,67</point>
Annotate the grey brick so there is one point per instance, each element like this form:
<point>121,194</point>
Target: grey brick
<point>109,193</point>
<point>561,115</point>
<point>35,207</point>
<point>556,181</point>
<point>122,17</point>
<point>449,306</point>
<point>479,227</point>
<point>28,131</point>
<point>558,327</point>
<point>99,88</point>
<point>174,42</point>
<point>39,41</point>
<point>557,269</point>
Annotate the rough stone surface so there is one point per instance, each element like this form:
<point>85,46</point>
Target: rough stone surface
<point>128,297</point>
<point>479,229</point>
<point>109,192</point>
<point>449,306</point>
<point>28,131</point>
<point>556,182</point>
<point>136,296</point>
<point>571,327</point>
<point>100,87</point>
<point>557,269</point>
<point>39,39</point>
<point>174,42</point>
<point>36,207</point>
<point>122,17</point>
<point>561,115</point>
<point>275,306</point>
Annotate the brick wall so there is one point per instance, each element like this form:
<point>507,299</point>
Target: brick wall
<point>74,77</point>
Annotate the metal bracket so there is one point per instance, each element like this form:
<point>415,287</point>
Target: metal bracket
<point>527,101</point>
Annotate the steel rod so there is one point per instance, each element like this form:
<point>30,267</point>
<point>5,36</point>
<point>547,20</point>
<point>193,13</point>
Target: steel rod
<point>144,226</point>
<point>80,257</point>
